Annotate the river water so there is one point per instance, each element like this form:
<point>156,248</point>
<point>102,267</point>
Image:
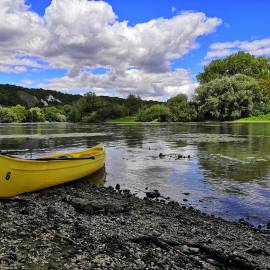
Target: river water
<point>227,174</point>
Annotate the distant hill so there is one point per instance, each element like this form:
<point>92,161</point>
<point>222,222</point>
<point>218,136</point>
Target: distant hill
<point>11,95</point>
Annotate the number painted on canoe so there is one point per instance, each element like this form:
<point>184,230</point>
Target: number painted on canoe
<point>8,176</point>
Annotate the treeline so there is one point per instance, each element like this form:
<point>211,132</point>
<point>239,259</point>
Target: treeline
<point>88,109</point>
<point>21,114</point>
<point>93,109</point>
<point>231,88</point>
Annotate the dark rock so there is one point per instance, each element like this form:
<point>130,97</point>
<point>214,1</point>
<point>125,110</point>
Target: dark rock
<point>161,155</point>
<point>78,226</point>
<point>153,195</point>
<point>117,187</point>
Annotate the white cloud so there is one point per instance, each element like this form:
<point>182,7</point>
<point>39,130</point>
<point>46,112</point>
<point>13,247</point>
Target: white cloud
<point>259,47</point>
<point>80,34</point>
<point>173,9</point>
<point>147,85</point>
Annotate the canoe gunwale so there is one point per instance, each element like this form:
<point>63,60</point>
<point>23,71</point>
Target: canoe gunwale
<point>100,148</point>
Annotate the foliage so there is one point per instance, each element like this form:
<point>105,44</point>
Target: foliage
<point>258,118</point>
<point>181,109</point>
<point>11,95</point>
<point>238,63</point>
<point>20,113</point>
<point>229,98</point>
<point>133,104</point>
<point>36,115</point>
<point>94,109</point>
<point>265,88</point>
<point>6,116</point>
<point>159,112</point>
<point>125,119</point>
<point>110,111</point>
<point>53,114</point>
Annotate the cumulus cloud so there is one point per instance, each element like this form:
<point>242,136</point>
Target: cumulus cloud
<point>259,47</point>
<point>80,34</point>
<point>147,85</point>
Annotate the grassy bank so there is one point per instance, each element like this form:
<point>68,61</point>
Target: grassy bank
<point>122,120</point>
<point>259,118</point>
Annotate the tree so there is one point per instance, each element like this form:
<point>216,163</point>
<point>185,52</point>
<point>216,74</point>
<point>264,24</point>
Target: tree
<point>159,112</point>
<point>20,113</point>
<point>53,114</point>
<point>229,98</point>
<point>110,111</point>
<point>181,109</point>
<point>133,104</point>
<point>6,116</point>
<point>238,63</point>
<point>36,115</point>
<point>265,88</point>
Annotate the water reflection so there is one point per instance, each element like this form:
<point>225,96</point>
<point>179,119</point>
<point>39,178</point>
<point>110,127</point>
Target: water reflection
<point>98,178</point>
<point>228,173</point>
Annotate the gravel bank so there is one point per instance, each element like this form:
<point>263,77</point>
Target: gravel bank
<point>80,226</point>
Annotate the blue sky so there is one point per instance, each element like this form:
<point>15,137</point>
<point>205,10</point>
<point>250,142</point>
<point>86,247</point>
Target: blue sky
<point>239,25</point>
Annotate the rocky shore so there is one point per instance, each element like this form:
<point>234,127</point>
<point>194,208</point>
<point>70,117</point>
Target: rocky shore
<point>80,226</point>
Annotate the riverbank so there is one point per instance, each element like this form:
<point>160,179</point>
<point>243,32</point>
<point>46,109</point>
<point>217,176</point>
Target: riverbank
<point>263,118</point>
<point>80,226</point>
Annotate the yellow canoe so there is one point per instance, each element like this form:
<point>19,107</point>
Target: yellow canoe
<point>18,176</point>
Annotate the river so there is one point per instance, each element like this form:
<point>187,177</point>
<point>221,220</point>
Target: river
<point>227,174</point>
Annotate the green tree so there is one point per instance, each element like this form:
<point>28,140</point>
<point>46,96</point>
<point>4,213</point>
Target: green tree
<point>265,88</point>
<point>53,114</point>
<point>238,63</point>
<point>36,115</point>
<point>20,113</point>
<point>229,98</point>
<point>110,111</point>
<point>181,109</point>
<point>159,112</point>
<point>133,104</point>
<point>6,116</point>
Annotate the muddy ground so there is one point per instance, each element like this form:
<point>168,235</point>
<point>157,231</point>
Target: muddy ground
<point>80,226</point>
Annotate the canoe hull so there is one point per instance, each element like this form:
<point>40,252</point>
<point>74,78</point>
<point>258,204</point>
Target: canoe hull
<point>18,176</point>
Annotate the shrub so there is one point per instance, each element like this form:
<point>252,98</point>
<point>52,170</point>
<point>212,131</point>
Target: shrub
<point>159,112</point>
<point>36,115</point>
<point>6,116</point>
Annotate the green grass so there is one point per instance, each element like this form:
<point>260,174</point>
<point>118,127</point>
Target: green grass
<point>258,118</point>
<point>130,120</point>
<point>127,119</point>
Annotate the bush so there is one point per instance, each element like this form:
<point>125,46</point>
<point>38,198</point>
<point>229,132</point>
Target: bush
<point>36,115</point>
<point>111,111</point>
<point>159,112</point>
<point>52,114</point>
<point>181,109</point>
<point>6,116</point>
<point>20,113</point>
